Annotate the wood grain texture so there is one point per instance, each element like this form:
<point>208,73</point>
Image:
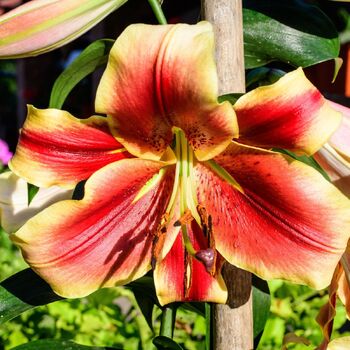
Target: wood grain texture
<point>226,17</point>
<point>233,323</point>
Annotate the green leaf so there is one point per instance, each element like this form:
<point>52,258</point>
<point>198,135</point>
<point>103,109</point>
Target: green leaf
<point>338,62</point>
<point>146,305</point>
<point>196,307</point>
<point>263,76</point>
<point>58,345</point>
<point>145,286</point>
<point>32,191</point>
<point>23,291</point>
<point>290,31</point>
<point>309,160</point>
<point>93,57</point>
<point>232,98</point>
<point>162,343</point>
<point>146,298</point>
<point>261,305</point>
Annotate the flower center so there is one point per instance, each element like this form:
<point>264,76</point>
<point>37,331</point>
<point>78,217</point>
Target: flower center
<point>185,189</point>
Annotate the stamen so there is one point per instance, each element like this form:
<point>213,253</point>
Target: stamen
<point>183,172</point>
<point>212,244</point>
<point>204,219</point>
<point>210,232</point>
<point>185,219</point>
<point>188,274</point>
<point>171,203</point>
<point>191,189</point>
<point>186,241</point>
<point>158,240</point>
<point>189,209</point>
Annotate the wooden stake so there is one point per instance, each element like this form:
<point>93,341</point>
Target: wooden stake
<point>226,18</point>
<point>233,324</point>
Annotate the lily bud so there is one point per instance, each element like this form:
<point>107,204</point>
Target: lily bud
<point>40,26</point>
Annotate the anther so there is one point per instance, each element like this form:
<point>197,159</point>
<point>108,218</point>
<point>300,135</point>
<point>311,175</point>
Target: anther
<point>158,239</point>
<point>185,219</point>
<point>202,212</point>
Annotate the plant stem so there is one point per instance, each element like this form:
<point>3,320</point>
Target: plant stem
<point>168,321</point>
<point>157,10</point>
<point>209,328</point>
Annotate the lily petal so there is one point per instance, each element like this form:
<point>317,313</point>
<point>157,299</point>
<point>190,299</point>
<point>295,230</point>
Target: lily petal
<point>175,77</point>
<point>334,156</point>
<point>340,140</point>
<point>42,25</point>
<point>103,240</point>
<point>289,114</point>
<point>293,226</point>
<point>14,207</point>
<point>179,277</point>
<point>336,166</point>
<point>57,149</point>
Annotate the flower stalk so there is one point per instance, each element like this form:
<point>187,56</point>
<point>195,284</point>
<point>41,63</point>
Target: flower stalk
<point>157,10</point>
<point>168,321</point>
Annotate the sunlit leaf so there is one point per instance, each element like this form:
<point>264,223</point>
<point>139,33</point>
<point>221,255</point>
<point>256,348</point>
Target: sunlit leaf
<point>93,57</point>
<point>290,31</point>
<point>261,305</point>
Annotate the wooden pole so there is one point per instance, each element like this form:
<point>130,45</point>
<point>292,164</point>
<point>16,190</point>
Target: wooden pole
<point>226,18</point>
<point>233,323</point>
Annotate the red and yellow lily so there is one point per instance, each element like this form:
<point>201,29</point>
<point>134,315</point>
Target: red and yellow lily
<point>334,157</point>
<point>39,26</point>
<point>179,182</point>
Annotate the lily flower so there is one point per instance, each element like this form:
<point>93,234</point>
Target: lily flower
<point>178,182</point>
<point>334,156</point>
<point>15,208</point>
<point>39,26</point>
